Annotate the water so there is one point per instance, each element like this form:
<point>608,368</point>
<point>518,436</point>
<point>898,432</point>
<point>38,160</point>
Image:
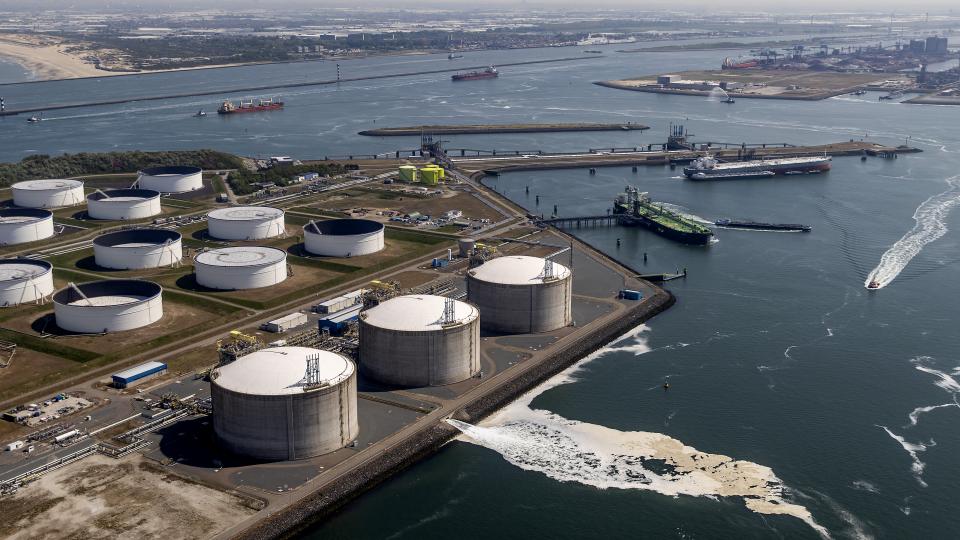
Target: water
<point>12,72</point>
<point>776,353</point>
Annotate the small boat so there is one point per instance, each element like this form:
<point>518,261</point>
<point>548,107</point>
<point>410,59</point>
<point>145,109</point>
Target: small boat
<point>200,114</point>
<point>873,285</point>
<point>729,100</point>
<point>860,92</point>
<point>35,119</point>
<point>593,52</point>
<point>453,56</point>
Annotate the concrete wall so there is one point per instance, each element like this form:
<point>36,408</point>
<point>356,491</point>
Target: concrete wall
<point>286,427</point>
<point>522,309</point>
<point>431,358</point>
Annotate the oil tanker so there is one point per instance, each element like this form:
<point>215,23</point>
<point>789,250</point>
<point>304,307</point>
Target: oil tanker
<point>642,211</point>
<point>489,73</point>
<point>709,168</point>
<point>228,107</point>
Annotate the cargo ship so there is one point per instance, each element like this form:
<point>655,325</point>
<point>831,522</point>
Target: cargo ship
<point>793,227</point>
<point>489,73</point>
<point>646,213</point>
<point>228,107</point>
<point>707,167</point>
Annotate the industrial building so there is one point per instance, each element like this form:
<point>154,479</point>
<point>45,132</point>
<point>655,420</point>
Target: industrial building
<point>123,204</point>
<point>24,280</point>
<point>138,248</point>
<point>112,305</point>
<point>22,225</point>
<point>171,179</point>
<point>420,340</point>
<point>338,322</point>
<point>340,303</point>
<point>343,237</point>
<point>244,267</point>
<point>521,295</point>
<point>138,374</point>
<point>284,403</point>
<point>293,320</point>
<point>246,223</point>
<point>47,193</point>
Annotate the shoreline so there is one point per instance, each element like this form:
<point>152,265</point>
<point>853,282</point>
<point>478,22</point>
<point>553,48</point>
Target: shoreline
<point>479,129</point>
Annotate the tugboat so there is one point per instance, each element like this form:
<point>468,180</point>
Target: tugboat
<point>873,285</point>
<point>200,114</point>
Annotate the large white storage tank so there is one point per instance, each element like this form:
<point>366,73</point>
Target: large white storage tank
<point>138,248</point>
<point>420,340</point>
<point>246,223</point>
<point>343,237</point>
<point>24,280</point>
<point>112,305</point>
<point>522,295</point>
<point>285,403</point>
<point>47,193</point>
<point>21,225</point>
<point>242,267</point>
<point>171,179</point>
<point>122,204</point>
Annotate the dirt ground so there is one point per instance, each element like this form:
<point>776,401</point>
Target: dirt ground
<point>303,277</point>
<point>32,368</point>
<point>100,497</point>
<point>432,206</point>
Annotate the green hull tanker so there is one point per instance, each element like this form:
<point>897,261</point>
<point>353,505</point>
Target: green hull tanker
<point>646,213</point>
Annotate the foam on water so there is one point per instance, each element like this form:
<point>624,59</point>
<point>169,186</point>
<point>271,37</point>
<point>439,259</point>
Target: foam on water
<point>594,455</point>
<point>930,218</point>
<point>913,450</point>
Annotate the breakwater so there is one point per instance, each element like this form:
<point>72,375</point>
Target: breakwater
<point>480,129</point>
<point>235,90</point>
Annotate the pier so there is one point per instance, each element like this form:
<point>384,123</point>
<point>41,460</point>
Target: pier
<point>481,129</point>
<point>587,221</point>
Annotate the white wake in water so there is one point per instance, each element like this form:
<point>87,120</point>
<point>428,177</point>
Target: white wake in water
<point>930,225</point>
<point>594,455</point>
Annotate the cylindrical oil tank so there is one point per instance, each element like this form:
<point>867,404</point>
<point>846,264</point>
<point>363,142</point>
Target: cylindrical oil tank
<point>24,280</point>
<point>430,175</point>
<point>466,246</point>
<point>522,295</point>
<point>21,225</point>
<point>123,204</point>
<point>47,193</point>
<point>420,340</point>
<point>171,179</point>
<point>408,173</point>
<point>138,248</point>
<point>343,237</point>
<point>284,403</point>
<point>242,267</point>
<point>245,223</point>
<point>112,305</point>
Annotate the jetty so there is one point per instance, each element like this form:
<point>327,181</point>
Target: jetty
<point>483,129</point>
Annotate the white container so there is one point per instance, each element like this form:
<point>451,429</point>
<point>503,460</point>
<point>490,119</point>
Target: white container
<point>24,280</point>
<point>108,306</point>
<point>22,225</point>
<point>47,193</point>
<point>123,204</point>
<point>343,237</point>
<point>136,249</point>
<point>172,179</point>
<point>246,223</point>
<point>242,267</point>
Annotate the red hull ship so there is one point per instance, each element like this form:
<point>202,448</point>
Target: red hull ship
<point>228,107</point>
<point>489,73</point>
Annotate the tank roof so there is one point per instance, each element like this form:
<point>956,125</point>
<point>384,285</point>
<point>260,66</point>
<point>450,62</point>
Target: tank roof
<point>241,256</point>
<point>137,238</point>
<point>47,185</point>
<point>14,269</point>
<point>343,227</point>
<point>517,270</point>
<point>280,371</point>
<point>245,213</point>
<point>417,313</point>
<point>170,170</point>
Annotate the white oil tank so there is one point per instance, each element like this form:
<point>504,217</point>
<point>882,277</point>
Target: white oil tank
<point>241,267</point>
<point>343,237</point>
<point>112,305</point>
<point>24,280</point>
<point>522,295</point>
<point>134,249</point>
<point>123,204</point>
<point>246,223</point>
<point>22,225</point>
<point>47,193</point>
<point>171,179</point>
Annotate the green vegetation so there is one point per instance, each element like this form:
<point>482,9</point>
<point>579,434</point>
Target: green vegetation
<point>70,165</point>
<point>242,180</point>
<point>47,346</point>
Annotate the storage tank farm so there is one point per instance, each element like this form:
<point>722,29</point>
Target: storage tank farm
<point>420,340</point>
<point>343,237</point>
<point>407,173</point>
<point>285,403</point>
<point>240,267</point>
<point>171,179</point>
<point>521,294</point>
<point>24,280</point>
<point>22,225</point>
<point>123,204</point>
<point>47,193</point>
<point>113,305</point>
<point>134,249</point>
<point>246,223</point>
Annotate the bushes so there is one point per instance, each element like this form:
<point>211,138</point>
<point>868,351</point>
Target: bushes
<point>242,180</point>
<point>69,165</point>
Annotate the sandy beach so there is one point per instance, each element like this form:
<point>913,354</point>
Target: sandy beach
<point>47,61</point>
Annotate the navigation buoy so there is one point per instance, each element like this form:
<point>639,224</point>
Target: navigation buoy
<point>666,386</point>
